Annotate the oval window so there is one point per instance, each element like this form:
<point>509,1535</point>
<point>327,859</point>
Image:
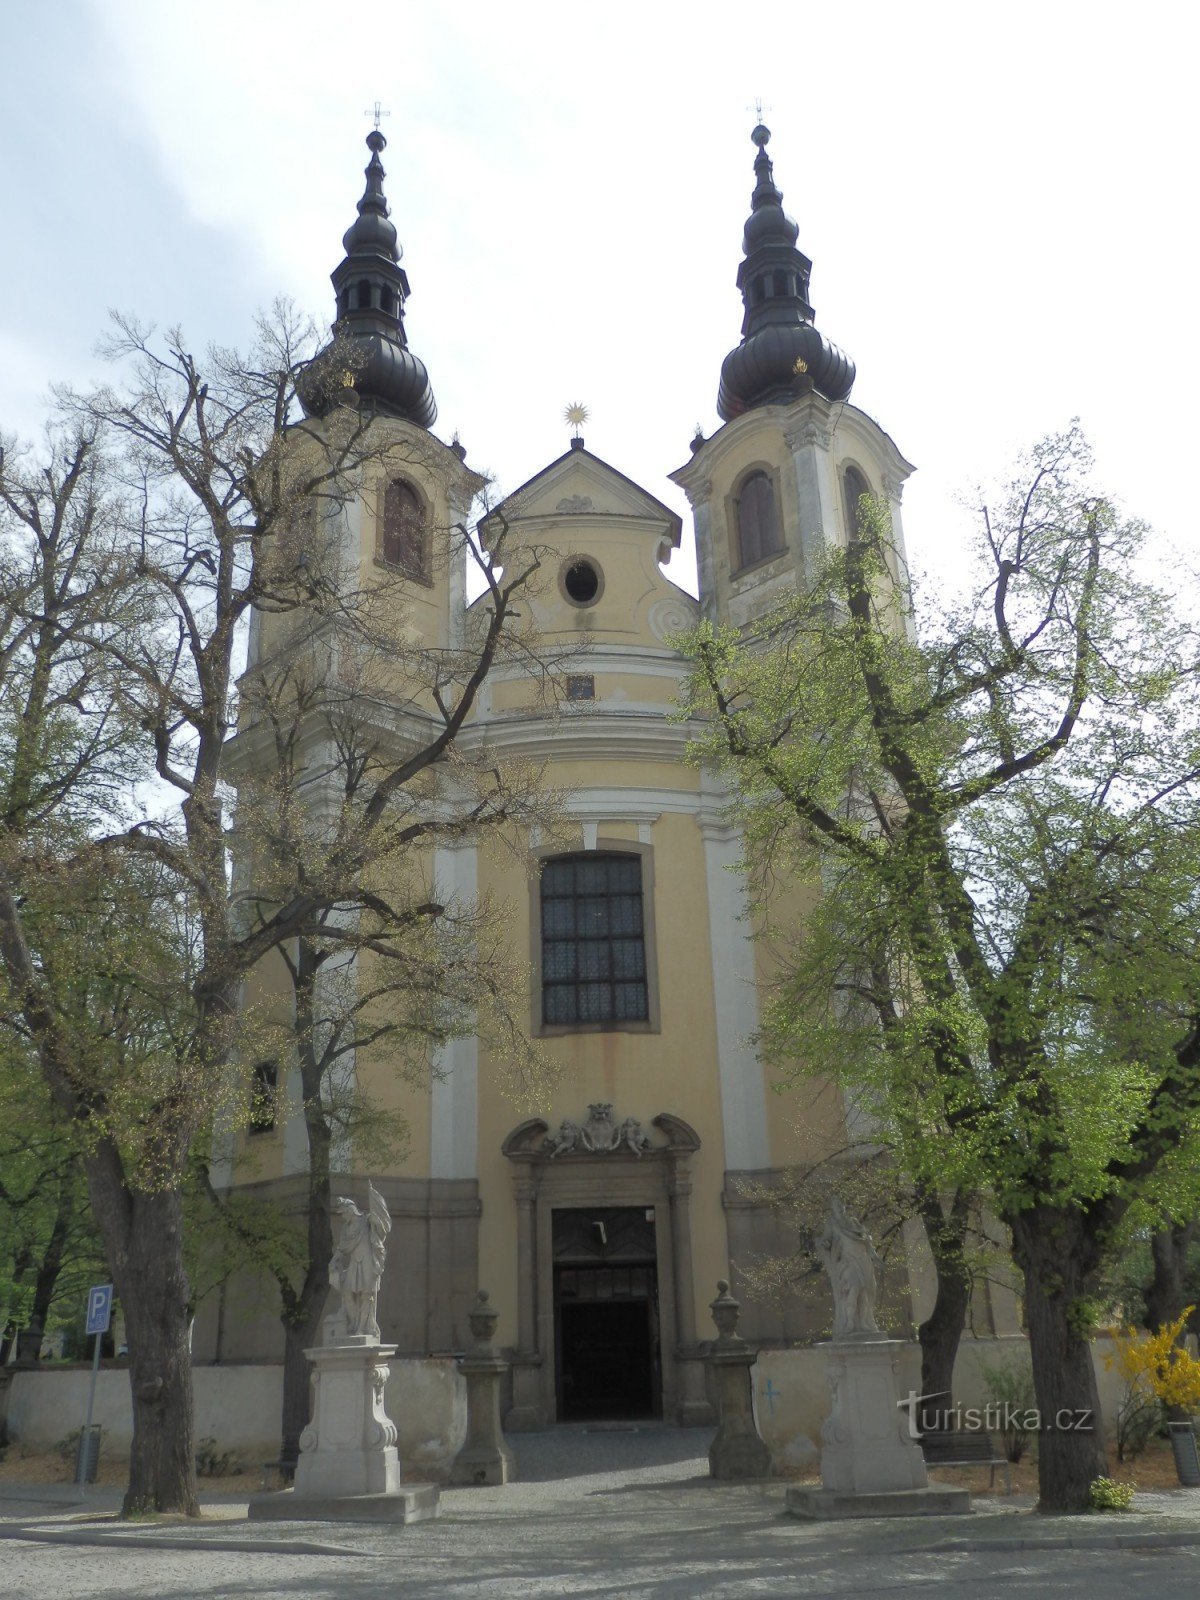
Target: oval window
<point>581,581</point>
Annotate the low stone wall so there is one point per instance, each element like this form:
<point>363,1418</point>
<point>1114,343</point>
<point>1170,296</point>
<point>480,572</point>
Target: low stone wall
<point>791,1393</point>
<point>239,1406</point>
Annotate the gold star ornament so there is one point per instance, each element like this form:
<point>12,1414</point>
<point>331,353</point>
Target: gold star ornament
<point>576,415</point>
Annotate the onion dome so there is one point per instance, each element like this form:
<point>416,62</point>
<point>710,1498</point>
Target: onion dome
<point>371,288</point>
<point>781,356</point>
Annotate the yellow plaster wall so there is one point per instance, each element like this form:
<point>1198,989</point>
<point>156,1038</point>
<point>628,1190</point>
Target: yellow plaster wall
<point>761,445</point>
<point>267,996</point>
<point>803,1117</point>
<point>640,1073</point>
<point>612,688</point>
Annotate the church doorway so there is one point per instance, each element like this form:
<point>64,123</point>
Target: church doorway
<point>606,1323</point>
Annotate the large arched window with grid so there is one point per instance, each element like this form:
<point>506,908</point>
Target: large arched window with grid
<point>593,940</point>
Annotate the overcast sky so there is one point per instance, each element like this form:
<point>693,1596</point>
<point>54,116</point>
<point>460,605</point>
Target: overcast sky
<point>998,200</point>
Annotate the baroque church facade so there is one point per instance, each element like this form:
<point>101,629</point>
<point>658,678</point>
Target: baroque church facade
<point>600,1228</point>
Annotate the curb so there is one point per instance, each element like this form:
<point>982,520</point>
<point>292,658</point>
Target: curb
<point>168,1541</point>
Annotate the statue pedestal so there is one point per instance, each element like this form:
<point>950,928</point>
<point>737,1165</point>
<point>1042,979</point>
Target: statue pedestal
<point>870,1466</point>
<point>348,1466</point>
<point>349,1447</point>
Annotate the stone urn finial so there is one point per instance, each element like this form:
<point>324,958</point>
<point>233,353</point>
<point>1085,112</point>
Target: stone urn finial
<point>483,1320</point>
<point>725,1312</point>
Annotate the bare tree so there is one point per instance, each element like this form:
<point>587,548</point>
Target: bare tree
<point>184,501</point>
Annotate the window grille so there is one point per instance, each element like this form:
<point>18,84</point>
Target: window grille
<point>593,940</point>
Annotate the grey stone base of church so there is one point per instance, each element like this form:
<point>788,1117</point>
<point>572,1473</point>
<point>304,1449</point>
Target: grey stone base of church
<point>416,1502</point>
<point>828,1505</point>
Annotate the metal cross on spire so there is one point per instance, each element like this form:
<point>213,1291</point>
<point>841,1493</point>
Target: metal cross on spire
<point>758,107</point>
<point>377,112</point>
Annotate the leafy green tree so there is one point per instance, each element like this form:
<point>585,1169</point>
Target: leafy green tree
<point>49,1250</point>
<point>999,802</point>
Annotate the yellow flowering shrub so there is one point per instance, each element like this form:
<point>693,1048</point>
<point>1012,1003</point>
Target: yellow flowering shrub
<point>1156,1364</point>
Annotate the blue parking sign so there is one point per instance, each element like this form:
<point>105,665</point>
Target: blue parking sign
<point>99,1308</point>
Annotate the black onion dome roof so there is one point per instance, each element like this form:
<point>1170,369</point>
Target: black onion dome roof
<point>767,223</point>
<point>782,355</point>
<point>779,364</point>
<point>372,287</point>
<point>372,232</point>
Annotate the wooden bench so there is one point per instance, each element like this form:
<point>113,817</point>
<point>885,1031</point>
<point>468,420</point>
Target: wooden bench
<point>965,1447</point>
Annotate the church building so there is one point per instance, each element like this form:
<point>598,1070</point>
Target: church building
<point>599,1228</point>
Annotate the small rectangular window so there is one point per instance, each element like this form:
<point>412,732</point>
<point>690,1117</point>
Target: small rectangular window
<point>581,686</point>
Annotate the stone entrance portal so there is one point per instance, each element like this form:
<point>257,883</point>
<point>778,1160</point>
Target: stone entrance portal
<point>606,1326</point>
<point>606,1338</point>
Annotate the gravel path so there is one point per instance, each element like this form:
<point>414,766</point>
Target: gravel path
<point>607,1516</point>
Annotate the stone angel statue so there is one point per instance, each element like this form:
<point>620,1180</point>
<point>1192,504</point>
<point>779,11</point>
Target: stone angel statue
<point>850,1258</point>
<point>356,1267</point>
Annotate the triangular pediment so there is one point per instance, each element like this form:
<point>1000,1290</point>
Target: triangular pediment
<point>581,484</point>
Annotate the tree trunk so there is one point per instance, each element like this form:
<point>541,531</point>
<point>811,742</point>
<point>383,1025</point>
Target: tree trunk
<point>302,1309</point>
<point>299,1335</point>
<point>22,1261</point>
<point>29,1341</point>
<point>143,1236</point>
<point>1167,1294</point>
<point>941,1332</point>
<point>1058,1259</point>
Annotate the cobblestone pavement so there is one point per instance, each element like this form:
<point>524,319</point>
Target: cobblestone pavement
<point>604,1516</point>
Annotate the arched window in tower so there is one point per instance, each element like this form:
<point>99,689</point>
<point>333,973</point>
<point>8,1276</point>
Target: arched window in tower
<point>854,486</point>
<point>364,295</point>
<point>403,542</point>
<point>757,517</point>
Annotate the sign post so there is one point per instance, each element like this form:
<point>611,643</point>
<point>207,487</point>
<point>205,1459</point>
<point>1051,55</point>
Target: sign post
<point>99,1315</point>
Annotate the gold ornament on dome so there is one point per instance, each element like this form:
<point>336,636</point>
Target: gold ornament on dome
<point>801,366</point>
<point>576,415</point>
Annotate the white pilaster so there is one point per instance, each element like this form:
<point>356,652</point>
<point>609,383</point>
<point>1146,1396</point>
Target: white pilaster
<point>295,1134</point>
<point>700,495</point>
<point>735,1002</point>
<point>809,444</point>
<point>454,1111</point>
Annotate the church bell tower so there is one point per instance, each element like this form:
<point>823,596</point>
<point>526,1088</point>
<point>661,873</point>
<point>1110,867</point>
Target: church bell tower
<point>779,482</point>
